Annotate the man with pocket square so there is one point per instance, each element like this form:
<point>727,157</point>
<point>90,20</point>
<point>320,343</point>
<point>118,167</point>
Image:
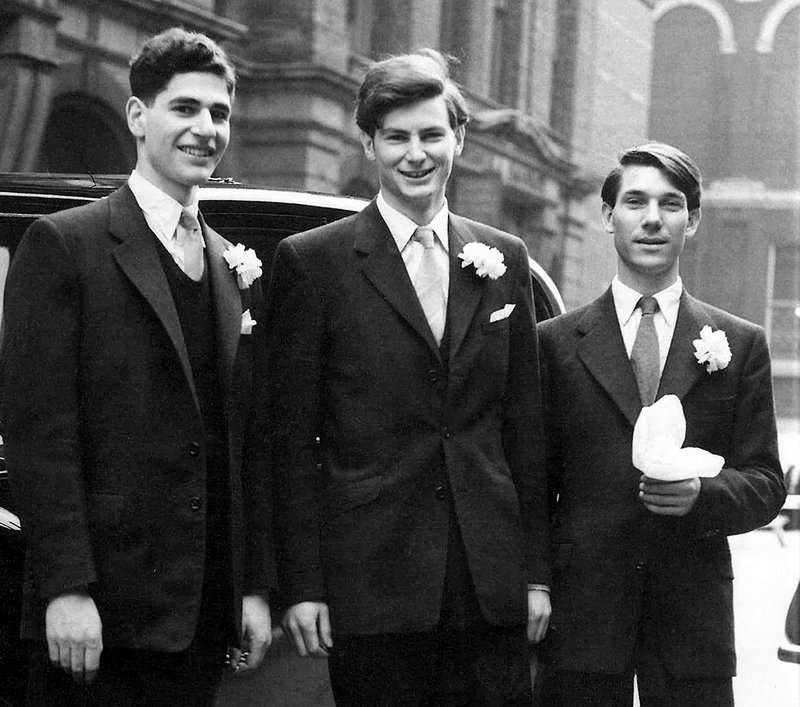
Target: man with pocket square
<point>132,417</point>
<point>642,579</point>
<point>410,494</point>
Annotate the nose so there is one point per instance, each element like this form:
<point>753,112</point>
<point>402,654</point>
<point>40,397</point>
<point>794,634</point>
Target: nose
<point>415,153</point>
<point>204,124</point>
<point>652,214</point>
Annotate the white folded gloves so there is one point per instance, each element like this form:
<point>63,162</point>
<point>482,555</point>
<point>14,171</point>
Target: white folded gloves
<point>658,437</point>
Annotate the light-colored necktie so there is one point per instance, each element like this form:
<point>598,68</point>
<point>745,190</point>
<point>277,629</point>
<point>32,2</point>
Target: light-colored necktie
<point>189,236</point>
<point>429,286</point>
<point>645,358</point>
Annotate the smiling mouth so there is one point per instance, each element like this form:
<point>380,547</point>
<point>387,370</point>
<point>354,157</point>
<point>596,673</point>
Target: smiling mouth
<point>197,151</point>
<point>417,173</point>
<point>651,241</point>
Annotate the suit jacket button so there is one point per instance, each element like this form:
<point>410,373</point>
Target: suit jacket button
<point>433,376</point>
<point>196,503</point>
<point>640,566</point>
<point>446,433</point>
<point>441,493</point>
<point>194,449</point>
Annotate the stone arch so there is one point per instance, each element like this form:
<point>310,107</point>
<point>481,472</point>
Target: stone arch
<point>727,38</point>
<point>770,24</point>
<point>86,128</point>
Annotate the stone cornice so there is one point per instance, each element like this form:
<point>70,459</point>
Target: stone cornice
<point>177,12</point>
<point>749,194</point>
<point>296,75</point>
<point>25,8</point>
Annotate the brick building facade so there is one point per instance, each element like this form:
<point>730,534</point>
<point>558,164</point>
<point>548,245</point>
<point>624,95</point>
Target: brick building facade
<point>726,88</point>
<point>556,88</point>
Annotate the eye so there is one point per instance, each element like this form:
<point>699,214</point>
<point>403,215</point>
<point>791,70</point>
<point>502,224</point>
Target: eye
<point>220,115</point>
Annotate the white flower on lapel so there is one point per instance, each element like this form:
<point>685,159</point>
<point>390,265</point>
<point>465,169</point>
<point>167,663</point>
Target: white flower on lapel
<point>712,349</point>
<point>486,260</point>
<point>245,262</point>
<point>247,323</point>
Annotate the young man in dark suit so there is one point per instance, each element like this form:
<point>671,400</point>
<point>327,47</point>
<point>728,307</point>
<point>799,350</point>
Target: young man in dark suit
<point>131,417</point>
<point>413,535</point>
<point>642,570</point>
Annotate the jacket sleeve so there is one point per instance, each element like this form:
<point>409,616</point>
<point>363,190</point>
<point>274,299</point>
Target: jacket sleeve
<point>40,409</point>
<point>295,365</point>
<point>750,490</point>
<point>523,431</point>
<point>260,573</point>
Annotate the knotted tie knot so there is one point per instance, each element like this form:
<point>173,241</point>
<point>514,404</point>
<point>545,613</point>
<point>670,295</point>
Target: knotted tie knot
<point>424,236</point>
<point>648,305</point>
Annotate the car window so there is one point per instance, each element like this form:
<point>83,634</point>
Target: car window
<point>259,231</point>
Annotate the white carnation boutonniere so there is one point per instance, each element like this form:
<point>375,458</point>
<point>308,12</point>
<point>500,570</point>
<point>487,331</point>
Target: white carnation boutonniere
<point>247,323</point>
<point>712,349</point>
<point>245,262</point>
<point>487,261</point>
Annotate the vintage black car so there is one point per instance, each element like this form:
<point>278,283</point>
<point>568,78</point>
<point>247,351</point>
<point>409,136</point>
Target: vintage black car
<point>256,217</point>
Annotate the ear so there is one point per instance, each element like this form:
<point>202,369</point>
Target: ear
<point>367,142</point>
<point>693,223</point>
<point>136,112</point>
<point>460,135</point>
<point>608,221</point>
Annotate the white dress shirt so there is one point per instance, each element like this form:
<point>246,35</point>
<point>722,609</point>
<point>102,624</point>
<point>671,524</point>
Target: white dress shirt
<point>629,316</point>
<point>402,229</point>
<point>162,213</point>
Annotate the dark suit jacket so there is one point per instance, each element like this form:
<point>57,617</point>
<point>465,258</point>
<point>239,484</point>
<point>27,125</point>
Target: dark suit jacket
<point>615,563</point>
<point>403,428</point>
<point>102,430</point>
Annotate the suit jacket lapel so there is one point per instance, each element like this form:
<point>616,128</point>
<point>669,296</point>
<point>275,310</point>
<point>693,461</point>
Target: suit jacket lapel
<point>139,260</point>
<point>383,266</point>
<point>602,351</point>
<point>681,370</point>
<point>465,288</point>
<point>227,305</point>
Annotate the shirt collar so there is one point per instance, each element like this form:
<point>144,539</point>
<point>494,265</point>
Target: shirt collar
<point>402,228</point>
<point>626,299</point>
<point>158,206</point>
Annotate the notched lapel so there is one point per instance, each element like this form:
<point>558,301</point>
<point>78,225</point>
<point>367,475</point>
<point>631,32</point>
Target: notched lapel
<point>383,266</point>
<point>466,288</point>
<point>227,305</point>
<point>139,260</point>
<point>681,371</point>
<point>602,351</point>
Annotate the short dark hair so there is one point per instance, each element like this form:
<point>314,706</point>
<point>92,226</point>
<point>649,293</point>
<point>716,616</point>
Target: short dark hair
<point>404,79</point>
<point>177,51</point>
<point>676,166</point>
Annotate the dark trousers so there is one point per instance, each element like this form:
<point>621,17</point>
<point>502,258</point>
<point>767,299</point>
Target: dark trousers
<point>656,686</point>
<point>565,688</point>
<point>464,662</point>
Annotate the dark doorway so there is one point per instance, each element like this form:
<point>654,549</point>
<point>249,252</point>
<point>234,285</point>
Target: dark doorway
<point>84,135</point>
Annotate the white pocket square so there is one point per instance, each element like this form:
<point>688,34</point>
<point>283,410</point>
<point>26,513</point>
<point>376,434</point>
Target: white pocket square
<point>247,322</point>
<point>501,313</point>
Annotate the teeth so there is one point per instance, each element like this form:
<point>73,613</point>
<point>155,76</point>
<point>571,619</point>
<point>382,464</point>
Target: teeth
<point>197,151</point>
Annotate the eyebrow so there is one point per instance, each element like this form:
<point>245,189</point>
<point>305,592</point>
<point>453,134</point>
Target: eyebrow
<point>186,100</point>
<point>667,194</point>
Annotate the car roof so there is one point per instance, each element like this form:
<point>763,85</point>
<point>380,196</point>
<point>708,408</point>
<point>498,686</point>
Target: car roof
<point>95,186</point>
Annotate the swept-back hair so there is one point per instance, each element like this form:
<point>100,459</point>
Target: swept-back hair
<point>177,51</point>
<point>404,79</point>
<point>676,166</point>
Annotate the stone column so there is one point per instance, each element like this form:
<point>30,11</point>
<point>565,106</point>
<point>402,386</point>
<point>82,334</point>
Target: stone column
<point>27,60</point>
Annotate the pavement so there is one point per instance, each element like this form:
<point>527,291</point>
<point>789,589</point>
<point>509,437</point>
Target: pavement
<point>766,568</point>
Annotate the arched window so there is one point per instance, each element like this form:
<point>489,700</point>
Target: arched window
<point>83,134</point>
